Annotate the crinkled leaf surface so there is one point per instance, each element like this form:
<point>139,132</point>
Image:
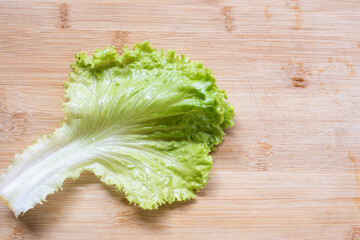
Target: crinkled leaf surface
<point>144,121</point>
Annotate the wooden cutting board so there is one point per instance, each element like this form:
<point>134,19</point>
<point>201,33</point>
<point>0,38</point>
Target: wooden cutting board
<point>288,169</point>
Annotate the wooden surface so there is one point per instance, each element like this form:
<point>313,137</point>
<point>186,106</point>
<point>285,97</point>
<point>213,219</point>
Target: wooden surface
<point>289,169</point>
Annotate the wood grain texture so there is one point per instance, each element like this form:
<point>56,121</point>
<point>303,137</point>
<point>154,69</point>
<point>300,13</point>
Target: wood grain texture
<point>288,169</point>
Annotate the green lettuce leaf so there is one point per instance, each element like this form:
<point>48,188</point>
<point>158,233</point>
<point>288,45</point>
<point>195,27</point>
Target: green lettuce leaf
<point>144,121</point>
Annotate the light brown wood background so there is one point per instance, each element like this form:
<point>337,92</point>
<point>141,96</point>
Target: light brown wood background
<point>289,169</point>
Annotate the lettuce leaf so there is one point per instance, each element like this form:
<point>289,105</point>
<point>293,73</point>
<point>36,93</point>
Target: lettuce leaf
<point>144,121</point>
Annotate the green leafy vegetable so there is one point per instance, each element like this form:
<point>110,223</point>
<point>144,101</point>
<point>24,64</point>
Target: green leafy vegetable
<point>144,121</point>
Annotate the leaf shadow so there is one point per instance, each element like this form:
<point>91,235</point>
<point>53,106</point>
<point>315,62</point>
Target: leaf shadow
<point>36,221</point>
<point>154,219</point>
